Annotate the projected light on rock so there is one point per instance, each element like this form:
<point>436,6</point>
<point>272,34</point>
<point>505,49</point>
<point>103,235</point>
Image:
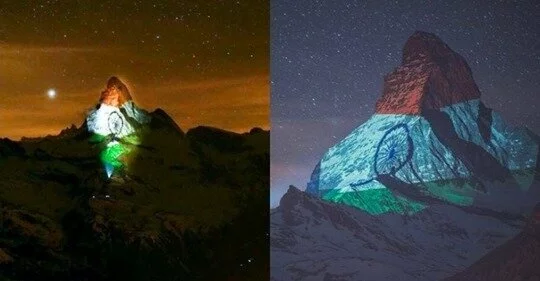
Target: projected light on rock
<point>394,150</point>
<point>116,121</point>
<point>112,153</point>
<point>430,134</point>
<point>108,120</point>
<point>109,170</point>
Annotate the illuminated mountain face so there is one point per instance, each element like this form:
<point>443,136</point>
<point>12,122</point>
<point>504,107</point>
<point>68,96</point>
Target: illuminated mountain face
<point>116,121</point>
<point>430,132</point>
<point>119,122</point>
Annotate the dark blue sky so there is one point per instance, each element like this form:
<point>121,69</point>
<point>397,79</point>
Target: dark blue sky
<point>328,59</point>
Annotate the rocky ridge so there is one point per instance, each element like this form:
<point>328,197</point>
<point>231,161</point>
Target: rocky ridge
<point>431,76</point>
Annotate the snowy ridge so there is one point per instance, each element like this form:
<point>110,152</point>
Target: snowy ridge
<point>316,240</point>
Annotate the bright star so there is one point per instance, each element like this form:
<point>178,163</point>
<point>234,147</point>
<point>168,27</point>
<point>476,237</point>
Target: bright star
<point>51,93</point>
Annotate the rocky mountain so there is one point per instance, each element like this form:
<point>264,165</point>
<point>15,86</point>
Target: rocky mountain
<point>129,196</point>
<point>314,239</point>
<point>515,260</point>
<point>431,130</point>
<point>431,183</point>
<point>116,113</point>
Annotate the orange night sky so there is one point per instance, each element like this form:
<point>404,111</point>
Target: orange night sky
<point>203,63</point>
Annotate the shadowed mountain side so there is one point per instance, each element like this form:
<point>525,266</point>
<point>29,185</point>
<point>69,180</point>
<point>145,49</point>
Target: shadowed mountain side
<point>412,192</point>
<point>517,259</point>
<point>537,139</point>
<point>161,120</point>
<point>10,148</point>
<point>183,207</point>
<point>485,121</point>
<point>476,159</point>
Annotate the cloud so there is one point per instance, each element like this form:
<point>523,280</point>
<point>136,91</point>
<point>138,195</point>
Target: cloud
<point>237,104</point>
<point>20,49</point>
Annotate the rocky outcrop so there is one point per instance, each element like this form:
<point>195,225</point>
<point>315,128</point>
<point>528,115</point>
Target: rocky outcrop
<point>116,113</point>
<point>312,239</point>
<point>431,76</point>
<point>116,93</point>
<point>4,257</point>
<point>161,120</point>
<point>516,260</point>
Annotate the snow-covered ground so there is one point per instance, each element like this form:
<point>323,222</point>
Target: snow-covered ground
<point>313,239</point>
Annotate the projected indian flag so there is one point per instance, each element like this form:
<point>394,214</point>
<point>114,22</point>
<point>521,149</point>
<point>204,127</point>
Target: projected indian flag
<point>115,122</point>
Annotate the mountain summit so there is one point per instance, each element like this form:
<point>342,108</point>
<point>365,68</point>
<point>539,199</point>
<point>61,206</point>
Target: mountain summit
<point>116,93</point>
<point>431,76</point>
<point>116,112</point>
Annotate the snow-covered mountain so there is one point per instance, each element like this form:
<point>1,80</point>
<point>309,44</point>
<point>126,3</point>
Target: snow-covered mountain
<point>312,239</point>
<point>516,260</point>
<point>430,130</point>
<point>431,183</point>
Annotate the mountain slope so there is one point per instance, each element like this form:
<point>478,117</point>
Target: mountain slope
<point>312,239</point>
<point>517,259</point>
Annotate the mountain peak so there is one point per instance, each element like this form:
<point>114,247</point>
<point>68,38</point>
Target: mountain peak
<point>116,113</point>
<point>116,93</point>
<point>431,76</point>
<point>424,45</point>
<point>160,119</point>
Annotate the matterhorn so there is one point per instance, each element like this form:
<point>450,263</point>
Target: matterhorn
<point>116,112</point>
<point>433,182</point>
<point>431,133</point>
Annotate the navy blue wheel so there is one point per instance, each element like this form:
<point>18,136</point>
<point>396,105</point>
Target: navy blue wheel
<point>393,151</point>
<point>116,123</point>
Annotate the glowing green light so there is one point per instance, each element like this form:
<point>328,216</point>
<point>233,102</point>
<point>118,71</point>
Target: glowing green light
<point>375,201</point>
<point>97,138</point>
<point>459,192</point>
<point>112,153</point>
<point>132,139</point>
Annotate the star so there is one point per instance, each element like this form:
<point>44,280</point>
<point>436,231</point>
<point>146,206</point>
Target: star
<point>51,93</point>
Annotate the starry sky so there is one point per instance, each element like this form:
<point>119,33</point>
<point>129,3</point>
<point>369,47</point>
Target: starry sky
<point>203,62</point>
<point>328,59</point>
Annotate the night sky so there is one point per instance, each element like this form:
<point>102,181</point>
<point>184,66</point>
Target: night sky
<point>328,59</point>
<point>203,62</point>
